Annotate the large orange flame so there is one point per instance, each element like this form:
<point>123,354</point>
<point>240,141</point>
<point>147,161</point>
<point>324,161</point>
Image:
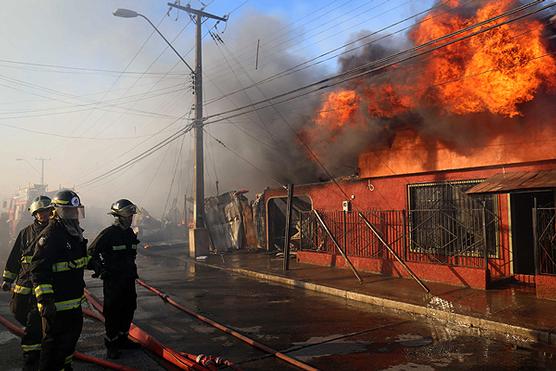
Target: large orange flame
<point>338,109</point>
<point>494,72</point>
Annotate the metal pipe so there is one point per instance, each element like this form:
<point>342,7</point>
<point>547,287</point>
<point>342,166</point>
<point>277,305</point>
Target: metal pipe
<point>535,236</point>
<point>166,298</point>
<point>325,227</point>
<point>344,229</point>
<point>373,229</point>
<point>485,236</point>
<point>286,264</point>
<point>404,226</point>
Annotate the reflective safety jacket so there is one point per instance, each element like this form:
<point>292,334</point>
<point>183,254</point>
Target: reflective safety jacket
<point>57,267</point>
<point>18,265</point>
<point>113,252</point>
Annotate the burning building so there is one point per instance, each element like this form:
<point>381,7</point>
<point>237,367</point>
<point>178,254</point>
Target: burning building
<point>456,156</point>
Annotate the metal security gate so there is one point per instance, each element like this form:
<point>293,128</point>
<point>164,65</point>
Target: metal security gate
<point>452,237</point>
<point>458,237</point>
<point>544,226</point>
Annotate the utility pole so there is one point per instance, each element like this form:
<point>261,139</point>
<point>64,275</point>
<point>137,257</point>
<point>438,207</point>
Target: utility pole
<point>42,160</point>
<point>198,234</point>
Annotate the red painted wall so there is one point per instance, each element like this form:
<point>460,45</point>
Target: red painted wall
<point>546,286</point>
<point>390,193</point>
<point>457,276</point>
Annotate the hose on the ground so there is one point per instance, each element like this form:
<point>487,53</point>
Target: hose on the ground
<point>223,328</point>
<point>150,343</point>
<point>16,330</point>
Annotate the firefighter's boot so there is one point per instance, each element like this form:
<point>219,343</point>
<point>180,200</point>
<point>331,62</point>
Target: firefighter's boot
<point>112,351</point>
<point>125,343</point>
<point>31,360</point>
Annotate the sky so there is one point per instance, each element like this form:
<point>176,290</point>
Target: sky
<point>88,91</point>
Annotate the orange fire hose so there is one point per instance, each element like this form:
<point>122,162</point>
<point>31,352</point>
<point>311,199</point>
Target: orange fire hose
<point>150,343</point>
<point>78,355</point>
<point>227,330</point>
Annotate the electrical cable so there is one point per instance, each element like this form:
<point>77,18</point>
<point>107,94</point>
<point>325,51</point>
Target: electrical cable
<point>307,63</point>
<point>84,121</point>
<point>242,158</point>
<point>141,156</point>
<point>178,159</point>
<point>365,70</point>
<point>317,160</point>
<point>84,69</point>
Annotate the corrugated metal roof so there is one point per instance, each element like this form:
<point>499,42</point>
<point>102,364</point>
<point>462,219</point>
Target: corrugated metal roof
<point>515,181</point>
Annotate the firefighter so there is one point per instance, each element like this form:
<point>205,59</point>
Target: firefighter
<point>113,255</point>
<point>23,304</point>
<point>57,273</point>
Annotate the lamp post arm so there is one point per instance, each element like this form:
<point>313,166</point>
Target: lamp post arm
<point>167,42</point>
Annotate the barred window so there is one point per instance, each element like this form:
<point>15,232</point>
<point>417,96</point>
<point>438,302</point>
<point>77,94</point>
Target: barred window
<point>444,221</point>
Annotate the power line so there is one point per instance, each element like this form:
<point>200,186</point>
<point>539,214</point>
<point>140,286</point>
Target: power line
<point>156,59</point>
<point>371,67</point>
<point>314,155</point>
<point>178,160</point>
<point>139,157</point>
<point>45,112</point>
<point>307,63</point>
<point>242,158</point>
<point>84,121</point>
<point>85,69</point>
<point>365,72</point>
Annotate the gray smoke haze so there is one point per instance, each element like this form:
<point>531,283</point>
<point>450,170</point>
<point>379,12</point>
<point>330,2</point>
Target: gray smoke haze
<point>382,112</point>
<point>268,137</point>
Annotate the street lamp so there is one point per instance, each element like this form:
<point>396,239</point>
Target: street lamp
<point>128,13</point>
<point>198,234</point>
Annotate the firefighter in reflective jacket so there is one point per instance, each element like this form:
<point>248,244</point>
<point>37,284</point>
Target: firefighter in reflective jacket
<point>23,304</point>
<point>113,255</point>
<point>57,273</point>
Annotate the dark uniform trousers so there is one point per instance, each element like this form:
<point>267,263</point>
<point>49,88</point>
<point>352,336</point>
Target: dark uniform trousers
<point>24,308</point>
<point>59,340</point>
<point>120,302</point>
<point>113,255</point>
<point>23,303</point>
<point>57,274</point>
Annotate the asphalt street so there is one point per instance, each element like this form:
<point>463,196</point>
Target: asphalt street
<point>326,332</point>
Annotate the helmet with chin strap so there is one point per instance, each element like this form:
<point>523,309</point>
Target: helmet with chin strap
<point>123,208</point>
<point>40,203</point>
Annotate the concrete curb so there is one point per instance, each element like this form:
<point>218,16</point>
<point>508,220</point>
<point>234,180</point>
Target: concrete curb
<point>512,332</point>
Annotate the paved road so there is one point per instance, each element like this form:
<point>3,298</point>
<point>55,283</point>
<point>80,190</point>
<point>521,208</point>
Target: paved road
<point>326,332</point>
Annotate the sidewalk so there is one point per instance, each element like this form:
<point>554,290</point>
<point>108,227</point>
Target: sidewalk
<point>511,312</point>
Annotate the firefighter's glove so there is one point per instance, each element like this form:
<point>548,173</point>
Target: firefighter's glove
<point>102,274</point>
<point>6,286</point>
<point>48,311</point>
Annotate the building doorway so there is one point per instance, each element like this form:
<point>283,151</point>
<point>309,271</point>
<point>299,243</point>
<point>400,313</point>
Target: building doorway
<point>523,244</point>
<point>276,218</point>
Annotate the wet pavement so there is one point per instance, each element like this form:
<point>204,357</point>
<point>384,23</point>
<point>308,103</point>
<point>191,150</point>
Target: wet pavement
<point>511,311</point>
<point>327,332</point>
